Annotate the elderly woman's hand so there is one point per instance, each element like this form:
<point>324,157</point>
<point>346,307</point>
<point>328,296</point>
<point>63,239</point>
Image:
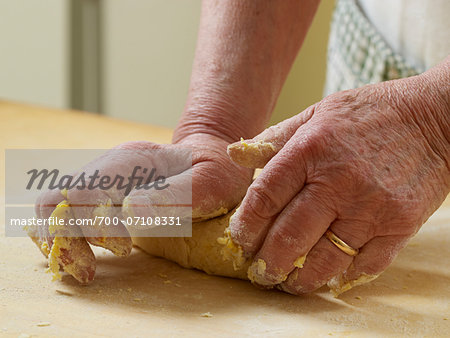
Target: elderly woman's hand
<point>369,164</point>
<point>217,185</point>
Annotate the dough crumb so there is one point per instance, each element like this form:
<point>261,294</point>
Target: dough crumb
<point>198,215</point>
<point>162,275</point>
<point>358,297</point>
<point>62,211</point>
<point>42,324</point>
<point>45,249</point>
<point>64,193</point>
<point>168,281</point>
<point>231,251</point>
<point>61,292</point>
<point>137,299</point>
<point>53,265</point>
<point>206,315</point>
<point>300,261</point>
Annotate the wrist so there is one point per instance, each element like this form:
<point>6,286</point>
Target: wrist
<point>424,102</point>
<point>205,114</point>
<point>437,80</point>
<point>431,99</point>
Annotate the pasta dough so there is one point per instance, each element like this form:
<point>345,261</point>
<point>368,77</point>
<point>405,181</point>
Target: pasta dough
<point>210,248</point>
<point>201,251</point>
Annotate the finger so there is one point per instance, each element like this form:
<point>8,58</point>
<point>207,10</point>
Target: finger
<point>322,263</point>
<point>44,206</point>
<point>74,256</point>
<point>325,260</point>
<point>256,152</point>
<point>279,182</point>
<point>95,209</point>
<point>372,260</point>
<point>137,163</point>
<point>69,250</point>
<point>41,242</point>
<point>47,202</point>
<point>295,231</point>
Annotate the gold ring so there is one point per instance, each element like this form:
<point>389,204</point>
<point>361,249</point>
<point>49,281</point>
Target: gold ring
<point>341,244</point>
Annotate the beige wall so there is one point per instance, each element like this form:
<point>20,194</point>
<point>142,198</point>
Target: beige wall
<point>304,85</point>
<point>34,51</point>
<point>148,52</point>
<point>148,48</point>
<point>144,49</point>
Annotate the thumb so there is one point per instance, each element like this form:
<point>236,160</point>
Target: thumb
<point>256,152</point>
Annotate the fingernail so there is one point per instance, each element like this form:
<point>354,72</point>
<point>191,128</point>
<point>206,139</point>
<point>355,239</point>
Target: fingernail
<point>231,251</point>
<point>252,154</point>
<point>258,275</point>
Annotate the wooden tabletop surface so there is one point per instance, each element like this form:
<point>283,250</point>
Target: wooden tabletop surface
<point>141,295</point>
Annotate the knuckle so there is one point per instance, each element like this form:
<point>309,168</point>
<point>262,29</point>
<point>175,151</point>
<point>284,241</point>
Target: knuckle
<point>47,202</point>
<point>287,238</point>
<point>83,201</point>
<point>261,203</point>
<point>310,144</point>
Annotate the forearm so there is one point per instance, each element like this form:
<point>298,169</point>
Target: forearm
<point>244,52</point>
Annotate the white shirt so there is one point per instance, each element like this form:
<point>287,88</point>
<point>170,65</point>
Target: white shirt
<point>419,30</point>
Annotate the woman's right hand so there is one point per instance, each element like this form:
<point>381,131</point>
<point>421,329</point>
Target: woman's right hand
<point>218,185</point>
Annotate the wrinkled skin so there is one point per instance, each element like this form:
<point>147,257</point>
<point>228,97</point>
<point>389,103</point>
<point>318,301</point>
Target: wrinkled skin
<point>372,164</point>
<point>214,192</point>
<point>364,163</point>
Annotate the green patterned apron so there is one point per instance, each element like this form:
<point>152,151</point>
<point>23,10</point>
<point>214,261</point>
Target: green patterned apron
<point>357,53</point>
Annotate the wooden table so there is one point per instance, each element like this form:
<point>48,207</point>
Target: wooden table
<point>133,297</point>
